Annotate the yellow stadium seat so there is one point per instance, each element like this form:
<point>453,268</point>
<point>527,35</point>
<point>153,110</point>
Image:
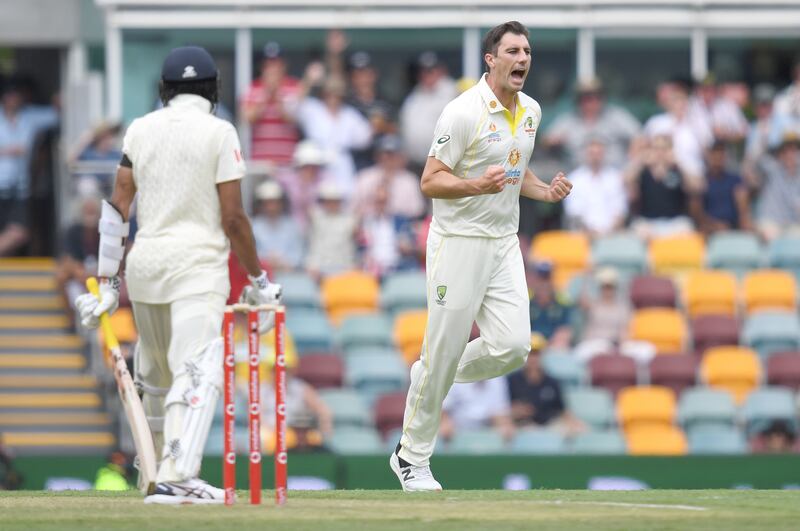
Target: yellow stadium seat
<point>710,291</point>
<point>266,352</point>
<point>734,369</point>
<point>409,333</point>
<point>677,255</point>
<point>656,440</point>
<point>665,328</point>
<point>569,252</point>
<point>769,289</point>
<point>350,293</point>
<point>643,406</point>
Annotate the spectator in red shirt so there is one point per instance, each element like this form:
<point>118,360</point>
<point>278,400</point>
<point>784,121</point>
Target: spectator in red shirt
<point>270,106</point>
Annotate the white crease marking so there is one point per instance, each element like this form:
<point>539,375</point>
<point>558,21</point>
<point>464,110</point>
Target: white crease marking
<point>625,504</point>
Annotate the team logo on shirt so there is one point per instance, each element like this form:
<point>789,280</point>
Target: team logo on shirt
<point>441,291</point>
<point>514,156</point>
<point>494,136</point>
<point>444,139</point>
<point>492,127</point>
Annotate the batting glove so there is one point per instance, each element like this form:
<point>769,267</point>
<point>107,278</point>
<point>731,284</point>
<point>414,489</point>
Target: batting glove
<point>262,291</point>
<point>90,308</point>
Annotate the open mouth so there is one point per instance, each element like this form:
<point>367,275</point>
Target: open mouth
<point>518,75</point>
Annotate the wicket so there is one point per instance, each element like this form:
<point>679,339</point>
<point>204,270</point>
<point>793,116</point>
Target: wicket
<point>254,406</point>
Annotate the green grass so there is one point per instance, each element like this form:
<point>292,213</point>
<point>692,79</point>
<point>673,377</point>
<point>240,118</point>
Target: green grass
<point>391,510</point>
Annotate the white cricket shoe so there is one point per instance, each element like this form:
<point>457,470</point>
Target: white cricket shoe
<point>193,491</point>
<point>414,478</point>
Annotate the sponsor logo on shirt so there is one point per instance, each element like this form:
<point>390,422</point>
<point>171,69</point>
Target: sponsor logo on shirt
<point>492,127</point>
<point>529,126</point>
<point>513,157</point>
<point>444,139</point>
<point>494,136</point>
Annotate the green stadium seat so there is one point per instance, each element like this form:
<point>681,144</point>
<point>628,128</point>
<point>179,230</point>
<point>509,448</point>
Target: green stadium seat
<point>376,375</point>
<point>299,290</point>
<point>784,253</point>
<point>310,329</point>
<point>351,440</point>
<point>486,441</point>
<point>375,352</point>
<point>626,253</point>
<point>366,330</point>
<point>769,404</point>
<point>607,442</point>
<point>542,442</point>
<point>403,291</point>
<point>716,439</point>
<point>565,368</point>
<point>347,406</point>
<point>594,406</point>
<point>768,332</point>
<point>705,406</point>
<point>738,252</point>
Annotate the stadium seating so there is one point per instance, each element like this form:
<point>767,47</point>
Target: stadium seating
<point>716,439</point>
<point>593,406</point>
<point>367,330</point>
<point>373,376</point>
<point>321,370</point>
<point>710,292</point>
<point>389,410</point>
<point>485,441</point>
<point>665,328</point>
<point>769,404</point>
<point>608,442</point>
<point>645,406</point>
<point>677,255</point>
<point>624,252</point>
<point>563,367</point>
<point>612,372</point>
<point>714,331</point>
<point>352,440</point>
<point>771,331</point>
<point>409,333</point>
<point>537,441</point>
<point>311,330</point>
<point>678,372</point>
<point>656,440</point>
<point>733,369</point>
<point>568,251</point>
<point>405,290</point>
<point>299,290</point>
<point>769,289</point>
<point>348,293</point>
<point>702,406</point>
<point>347,406</point>
<point>784,253</point>
<point>652,291</point>
<point>737,252</point>
<point>783,369</point>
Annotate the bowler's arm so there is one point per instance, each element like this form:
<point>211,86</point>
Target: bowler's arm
<point>534,188</point>
<point>438,182</point>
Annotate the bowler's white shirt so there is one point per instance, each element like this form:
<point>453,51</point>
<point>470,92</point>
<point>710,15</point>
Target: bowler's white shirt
<point>598,199</point>
<point>179,154</point>
<point>474,132</point>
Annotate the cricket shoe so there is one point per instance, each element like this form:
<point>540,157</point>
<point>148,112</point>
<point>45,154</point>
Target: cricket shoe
<point>191,492</point>
<point>413,478</point>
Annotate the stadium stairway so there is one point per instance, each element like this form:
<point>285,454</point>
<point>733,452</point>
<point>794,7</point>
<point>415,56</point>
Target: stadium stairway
<point>48,401</point>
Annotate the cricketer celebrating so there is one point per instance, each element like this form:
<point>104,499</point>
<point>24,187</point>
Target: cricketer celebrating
<point>476,170</point>
<point>185,167</point>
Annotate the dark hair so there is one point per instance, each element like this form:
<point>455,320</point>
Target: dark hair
<point>207,88</point>
<point>493,37</point>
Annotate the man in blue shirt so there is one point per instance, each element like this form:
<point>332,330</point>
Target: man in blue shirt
<point>550,316</point>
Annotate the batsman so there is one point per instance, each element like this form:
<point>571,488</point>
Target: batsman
<point>184,167</point>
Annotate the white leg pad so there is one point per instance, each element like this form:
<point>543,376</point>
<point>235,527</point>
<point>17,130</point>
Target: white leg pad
<point>197,389</point>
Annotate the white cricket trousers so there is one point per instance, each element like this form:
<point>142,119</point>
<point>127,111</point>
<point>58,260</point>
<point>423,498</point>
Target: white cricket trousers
<point>469,279</point>
<point>169,336</point>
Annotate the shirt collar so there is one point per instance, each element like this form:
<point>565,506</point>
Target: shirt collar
<point>489,98</point>
<point>184,101</point>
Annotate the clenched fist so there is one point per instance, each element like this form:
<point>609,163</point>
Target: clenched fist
<point>559,188</point>
<point>492,181</point>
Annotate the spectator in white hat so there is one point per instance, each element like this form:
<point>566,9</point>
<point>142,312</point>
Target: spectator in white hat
<point>278,238</point>
<point>302,180</point>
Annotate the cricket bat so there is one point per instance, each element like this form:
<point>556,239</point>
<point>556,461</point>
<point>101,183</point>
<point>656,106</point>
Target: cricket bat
<point>134,412</point>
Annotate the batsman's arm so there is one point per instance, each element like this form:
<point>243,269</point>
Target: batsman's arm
<point>124,191</point>
<point>237,226</point>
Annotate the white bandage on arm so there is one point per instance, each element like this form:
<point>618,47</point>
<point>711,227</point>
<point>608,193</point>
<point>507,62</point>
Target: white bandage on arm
<point>113,231</point>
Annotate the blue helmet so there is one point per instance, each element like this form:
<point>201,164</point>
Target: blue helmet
<point>188,63</point>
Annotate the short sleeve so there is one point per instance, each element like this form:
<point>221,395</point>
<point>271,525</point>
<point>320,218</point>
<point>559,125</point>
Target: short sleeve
<point>230,165</point>
<point>451,137</point>
<point>129,141</point>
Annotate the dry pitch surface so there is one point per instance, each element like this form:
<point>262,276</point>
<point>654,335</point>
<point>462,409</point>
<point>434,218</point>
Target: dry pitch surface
<point>382,510</point>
